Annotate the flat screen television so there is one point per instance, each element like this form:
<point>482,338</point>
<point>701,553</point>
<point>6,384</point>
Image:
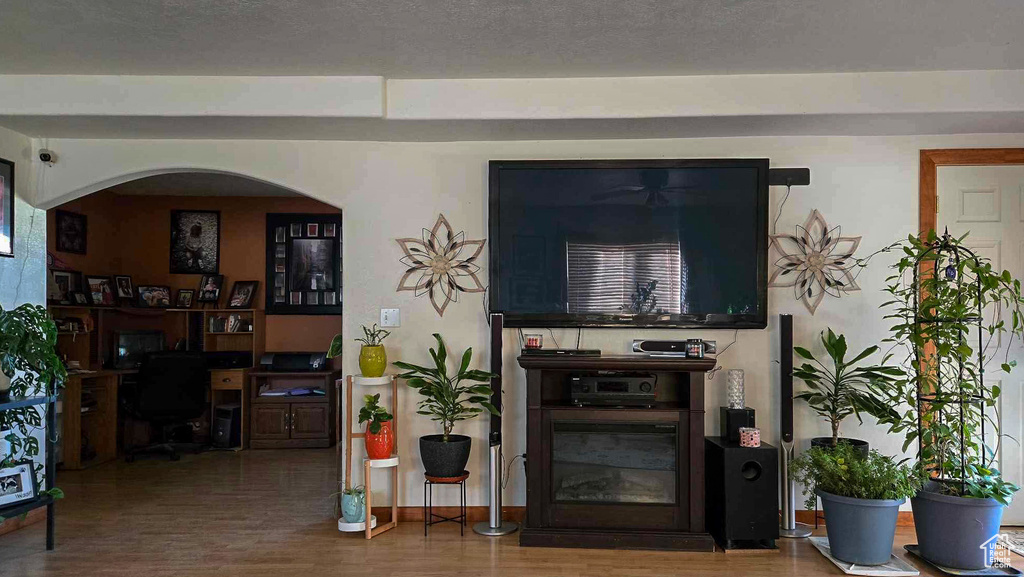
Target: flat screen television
<point>651,243</point>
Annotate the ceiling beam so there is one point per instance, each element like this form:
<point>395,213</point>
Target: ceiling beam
<point>228,96</point>
<point>702,96</point>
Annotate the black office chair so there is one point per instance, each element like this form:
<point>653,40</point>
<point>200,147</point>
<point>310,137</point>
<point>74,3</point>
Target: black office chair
<point>170,391</point>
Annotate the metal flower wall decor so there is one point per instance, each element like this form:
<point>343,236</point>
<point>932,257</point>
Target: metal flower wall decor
<point>441,264</point>
<point>815,261</point>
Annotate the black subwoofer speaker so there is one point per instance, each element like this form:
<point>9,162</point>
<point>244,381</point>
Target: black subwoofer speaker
<point>227,426</point>
<point>741,494</point>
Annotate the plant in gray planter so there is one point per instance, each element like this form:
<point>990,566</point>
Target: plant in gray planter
<point>839,388</point>
<point>861,496</point>
<point>944,305</point>
<point>448,399</point>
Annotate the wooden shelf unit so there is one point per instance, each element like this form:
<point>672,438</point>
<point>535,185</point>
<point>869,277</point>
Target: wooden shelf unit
<point>346,435</point>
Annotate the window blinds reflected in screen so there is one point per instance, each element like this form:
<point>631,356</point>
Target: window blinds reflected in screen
<point>647,278</point>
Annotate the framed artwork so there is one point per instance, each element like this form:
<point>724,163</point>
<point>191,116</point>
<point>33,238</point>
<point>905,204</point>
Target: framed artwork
<point>80,298</point>
<point>304,271</point>
<point>17,483</point>
<point>123,285</point>
<point>242,294</point>
<point>185,298</point>
<point>154,296</point>
<point>195,241</point>
<point>65,284</point>
<point>100,290</point>
<point>209,288</point>
<point>7,208</point>
<point>71,230</point>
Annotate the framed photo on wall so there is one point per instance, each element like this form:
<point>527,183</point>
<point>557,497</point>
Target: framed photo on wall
<point>195,241</point>
<point>304,269</point>
<point>6,208</point>
<point>71,231</point>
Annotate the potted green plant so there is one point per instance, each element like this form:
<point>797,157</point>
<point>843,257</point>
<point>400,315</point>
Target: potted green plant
<point>373,359</point>
<point>861,495</point>
<point>29,361</point>
<point>448,399</point>
<point>353,504</point>
<point>838,388</point>
<point>380,439</point>
<point>940,291</point>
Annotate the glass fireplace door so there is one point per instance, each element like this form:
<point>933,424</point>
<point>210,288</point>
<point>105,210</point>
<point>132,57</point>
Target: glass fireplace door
<point>614,463</point>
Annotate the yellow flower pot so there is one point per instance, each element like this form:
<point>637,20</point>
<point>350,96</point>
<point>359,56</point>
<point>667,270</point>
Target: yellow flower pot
<point>372,361</point>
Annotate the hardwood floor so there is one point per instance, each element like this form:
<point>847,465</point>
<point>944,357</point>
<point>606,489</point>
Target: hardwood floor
<point>267,513</point>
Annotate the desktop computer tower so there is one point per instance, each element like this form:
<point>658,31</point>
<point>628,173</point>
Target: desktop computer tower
<point>227,426</point>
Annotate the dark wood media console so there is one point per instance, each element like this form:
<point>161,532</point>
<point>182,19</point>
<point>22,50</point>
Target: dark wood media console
<point>615,477</point>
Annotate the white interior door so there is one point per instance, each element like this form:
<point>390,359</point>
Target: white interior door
<point>988,203</point>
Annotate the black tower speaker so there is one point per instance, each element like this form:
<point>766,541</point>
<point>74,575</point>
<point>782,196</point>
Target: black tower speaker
<point>786,375</point>
<point>497,324</point>
<point>741,493</point>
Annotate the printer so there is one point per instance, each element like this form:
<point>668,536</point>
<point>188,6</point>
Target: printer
<point>294,362</point>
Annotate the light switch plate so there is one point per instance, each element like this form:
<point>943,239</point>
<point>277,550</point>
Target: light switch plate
<point>390,318</point>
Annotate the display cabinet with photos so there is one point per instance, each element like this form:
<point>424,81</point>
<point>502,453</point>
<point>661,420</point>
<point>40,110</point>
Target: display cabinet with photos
<point>303,264</point>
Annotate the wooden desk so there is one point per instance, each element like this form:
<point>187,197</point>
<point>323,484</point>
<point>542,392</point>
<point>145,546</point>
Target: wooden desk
<point>98,425</point>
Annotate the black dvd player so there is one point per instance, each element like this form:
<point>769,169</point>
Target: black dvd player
<point>564,352</point>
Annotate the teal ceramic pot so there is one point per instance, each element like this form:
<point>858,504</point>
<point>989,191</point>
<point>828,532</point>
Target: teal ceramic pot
<point>353,507</point>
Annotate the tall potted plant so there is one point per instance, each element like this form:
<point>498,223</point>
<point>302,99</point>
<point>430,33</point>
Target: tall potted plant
<point>379,439</point>
<point>861,495</point>
<point>940,294</point>
<point>839,388</point>
<point>28,359</point>
<point>447,399</point>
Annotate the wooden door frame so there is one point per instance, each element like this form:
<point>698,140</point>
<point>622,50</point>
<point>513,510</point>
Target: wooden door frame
<point>932,159</point>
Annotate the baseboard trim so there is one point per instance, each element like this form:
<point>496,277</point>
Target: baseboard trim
<point>474,514</point>
<point>15,523</point>
<point>905,518</point>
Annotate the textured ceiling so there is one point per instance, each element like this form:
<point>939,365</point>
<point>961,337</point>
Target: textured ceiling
<point>199,184</point>
<point>506,38</point>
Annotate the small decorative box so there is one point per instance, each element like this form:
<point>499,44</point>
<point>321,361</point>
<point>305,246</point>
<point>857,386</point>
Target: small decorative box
<point>750,437</point>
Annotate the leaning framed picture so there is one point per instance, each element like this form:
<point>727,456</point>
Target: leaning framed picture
<point>6,208</point>
<point>153,296</point>
<point>209,288</point>
<point>242,294</point>
<point>195,241</point>
<point>17,483</point>
<point>100,290</point>
<point>65,284</point>
<point>123,284</point>
<point>304,268</point>
<point>184,299</point>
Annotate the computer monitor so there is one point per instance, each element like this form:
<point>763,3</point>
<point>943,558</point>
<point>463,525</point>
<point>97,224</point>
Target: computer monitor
<point>132,346</point>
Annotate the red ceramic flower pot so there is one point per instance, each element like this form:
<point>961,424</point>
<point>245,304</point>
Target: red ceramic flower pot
<point>380,445</point>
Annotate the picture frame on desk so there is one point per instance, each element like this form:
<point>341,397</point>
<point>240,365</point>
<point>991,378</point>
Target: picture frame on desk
<point>242,294</point>
<point>123,284</point>
<point>17,484</point>
<point>184,299</point>
<point>80,298</point>
<point>64,284</point>
<point>153,296</point>
<point>209,288</point>
<point>100,290</point>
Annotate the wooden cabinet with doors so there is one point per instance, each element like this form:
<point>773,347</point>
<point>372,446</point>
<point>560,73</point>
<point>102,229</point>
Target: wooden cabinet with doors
<point>289,422</point>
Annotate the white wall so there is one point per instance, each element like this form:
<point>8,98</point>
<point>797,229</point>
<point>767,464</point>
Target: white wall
<point>23,278</point>
<point>868,185</point>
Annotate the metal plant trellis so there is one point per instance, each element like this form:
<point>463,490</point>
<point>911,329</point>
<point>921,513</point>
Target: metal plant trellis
<point>952,392</point>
